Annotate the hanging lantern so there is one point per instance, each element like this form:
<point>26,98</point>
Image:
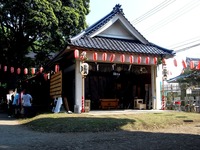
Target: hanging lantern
<point>18,70</point>
<point>131,59</point>
<point>104,56</point>
<point>12,69</point>
<point>41,69</point>
<point>147,60</point>
<point>76,53</point>
<point>122,58</point>
<point>57,68</point>
<point>191,64</point>
<point>139,59</point>
<point>83,56</point>
<point>45,76</point>
<point>175,62</point>
<point>164,61</point>
<point>198,66</point>
<point>95,56</point>
<point>112,57</point>
<point>155,60</point>
<point>25,71</point>
<point>5,68</point>
<point>32,71</point>
<point>184,64</point>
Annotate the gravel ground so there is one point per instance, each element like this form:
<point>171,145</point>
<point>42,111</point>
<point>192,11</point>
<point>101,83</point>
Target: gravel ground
<point>16,137</point>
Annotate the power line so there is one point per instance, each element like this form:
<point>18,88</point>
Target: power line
<point>152,11</point>
<point>187,48</point>
<point>186,44</point>
<point>182,43</point>
<point>170,18</point>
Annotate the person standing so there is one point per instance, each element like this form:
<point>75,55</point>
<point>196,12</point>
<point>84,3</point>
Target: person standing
<point>10,98</point>
<point>26,103</point>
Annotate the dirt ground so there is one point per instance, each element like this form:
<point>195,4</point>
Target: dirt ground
<point>16,137</point>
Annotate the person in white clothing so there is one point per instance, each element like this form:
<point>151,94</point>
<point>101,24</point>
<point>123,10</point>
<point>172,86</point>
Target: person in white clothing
<point>26,103</point>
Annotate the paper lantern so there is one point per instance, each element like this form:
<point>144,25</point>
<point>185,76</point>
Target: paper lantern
<point>147,60</point>
<point>198,66</point>
<point>191,64</point>
<point>175,62</point>
<point>164,61</point>
<point>83,55</point>
<point>32,71</point>
<point>131,59</point>
<point>12,69</point>
<point>184,64</point>
<point>57,68</point>
<point>104,56</point>
<point>112,57</point>
<point>139,59</point>
<point>95,56</point>
<point>155,60</point>
<point>41,69</point>
<point>5,68</point>
<point>76,53</point>
<point>25,71</point>
<point>122,58</point>
<point>18,70</point>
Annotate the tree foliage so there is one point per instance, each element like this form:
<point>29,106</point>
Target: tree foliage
<point>40,26</point>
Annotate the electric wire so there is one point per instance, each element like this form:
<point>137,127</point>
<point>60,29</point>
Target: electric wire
<point>152,11</point>
<point>186,44</point>
<point>187,48</point>
<point>182,43</point>
<point>186,8</point>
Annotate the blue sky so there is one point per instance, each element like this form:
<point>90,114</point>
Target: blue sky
<point>171,26</point>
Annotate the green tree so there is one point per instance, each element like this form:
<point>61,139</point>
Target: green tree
<point>40,26</point>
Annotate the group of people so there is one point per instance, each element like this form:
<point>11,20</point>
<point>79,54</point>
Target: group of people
<point>19,103</point>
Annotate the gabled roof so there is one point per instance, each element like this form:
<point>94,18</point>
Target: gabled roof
<point>119,45</point>
<point>115,33</point>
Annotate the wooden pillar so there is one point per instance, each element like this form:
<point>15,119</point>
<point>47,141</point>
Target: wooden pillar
<point>78,88</point>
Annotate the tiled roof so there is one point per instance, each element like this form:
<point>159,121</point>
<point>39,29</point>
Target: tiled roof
<point>114,44</point>
<point>116,10</point>
<point>119,45</point>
